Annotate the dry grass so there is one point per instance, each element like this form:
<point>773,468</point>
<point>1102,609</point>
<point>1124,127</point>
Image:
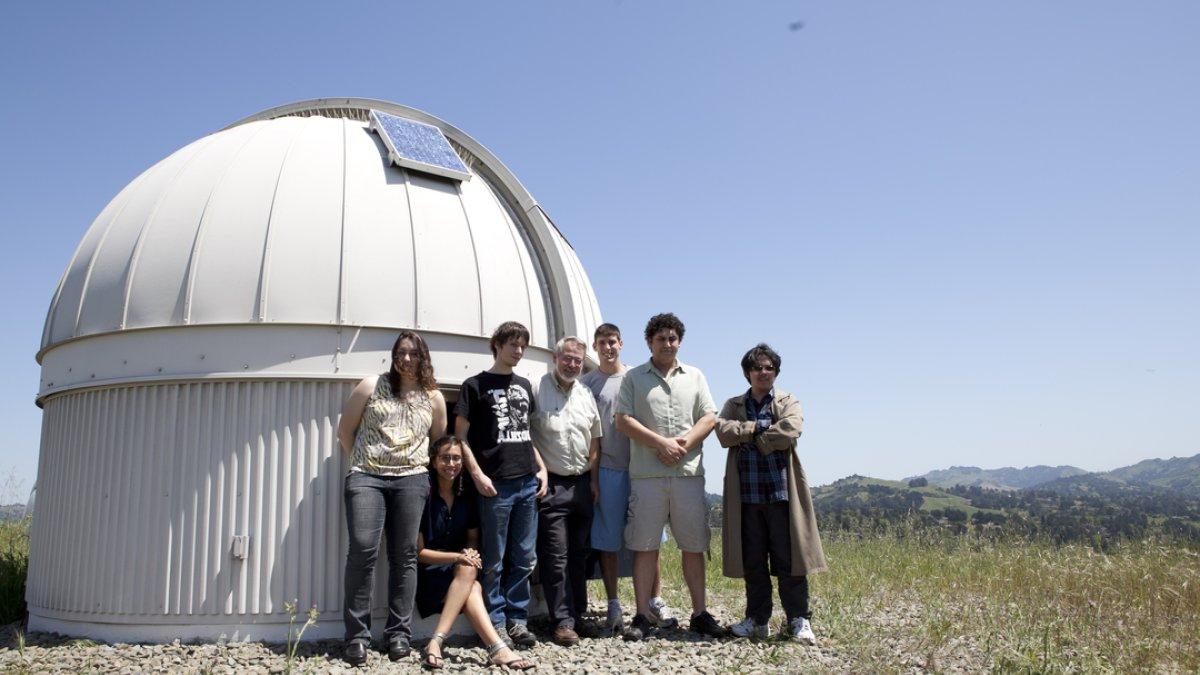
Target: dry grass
<point>938,601</point>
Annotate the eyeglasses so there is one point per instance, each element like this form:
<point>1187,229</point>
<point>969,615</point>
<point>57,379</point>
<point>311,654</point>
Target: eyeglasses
<point>762,369</point>
<point>400,354</point>
<point>450,459</point>
<point>571,360</point>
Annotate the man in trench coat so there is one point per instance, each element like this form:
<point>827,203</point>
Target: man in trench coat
<point>769,525</point>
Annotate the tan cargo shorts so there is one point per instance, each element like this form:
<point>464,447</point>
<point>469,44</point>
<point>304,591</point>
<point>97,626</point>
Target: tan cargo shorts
<point>653,502</point>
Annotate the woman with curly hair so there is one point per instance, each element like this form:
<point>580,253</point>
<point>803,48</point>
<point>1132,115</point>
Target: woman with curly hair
<point>386,428</point>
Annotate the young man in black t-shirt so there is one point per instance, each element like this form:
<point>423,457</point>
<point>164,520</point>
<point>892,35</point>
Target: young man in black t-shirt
<point>492,415</point>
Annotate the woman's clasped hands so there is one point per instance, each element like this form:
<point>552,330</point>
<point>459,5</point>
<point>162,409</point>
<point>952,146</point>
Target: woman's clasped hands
<point>470,557</point>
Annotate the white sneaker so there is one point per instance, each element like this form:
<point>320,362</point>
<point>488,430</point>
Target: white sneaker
<point>746,628</point>
<point>659,612</point>
<point>801,631</point>
<point>614,621</point>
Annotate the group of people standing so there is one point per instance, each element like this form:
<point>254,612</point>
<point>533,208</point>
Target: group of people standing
<point>545,473</point>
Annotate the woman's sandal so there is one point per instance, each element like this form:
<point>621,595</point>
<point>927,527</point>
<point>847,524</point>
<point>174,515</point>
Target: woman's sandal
<point>433,661</point>
<point>518,663</point>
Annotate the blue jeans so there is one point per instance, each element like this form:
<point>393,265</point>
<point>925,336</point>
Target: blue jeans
<point>378,505</point>
<point>508,537</point>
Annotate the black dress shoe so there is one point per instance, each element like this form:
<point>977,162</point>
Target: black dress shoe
<point>398,648</point>
<point>587,628</point>
<point>640,628</point>
<point>355,653</point>
<point>704,624</point>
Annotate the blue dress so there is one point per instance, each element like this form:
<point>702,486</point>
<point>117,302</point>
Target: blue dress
<point>444,529</point>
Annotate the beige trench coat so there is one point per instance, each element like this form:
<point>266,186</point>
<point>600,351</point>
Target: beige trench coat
<point>733,430</point>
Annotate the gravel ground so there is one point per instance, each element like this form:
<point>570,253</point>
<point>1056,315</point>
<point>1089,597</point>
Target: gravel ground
<point>676,651</point>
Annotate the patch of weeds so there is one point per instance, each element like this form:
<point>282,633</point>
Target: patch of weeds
<point>83,643</point>
<point>936,632</point>
<point>316,664</point>
<point>775,655</point>
<point>294,636</point>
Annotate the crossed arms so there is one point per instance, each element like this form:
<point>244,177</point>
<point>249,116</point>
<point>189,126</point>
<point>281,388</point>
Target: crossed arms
<point>781,435</point>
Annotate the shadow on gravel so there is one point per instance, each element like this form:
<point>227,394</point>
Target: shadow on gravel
<point>331,650</point>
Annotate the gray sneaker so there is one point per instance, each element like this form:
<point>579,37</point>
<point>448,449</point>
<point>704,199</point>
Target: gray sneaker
<point>614,622</point>
<point>521,636</point>
<point>746,628</point>
<point>799,630</point>
<point>660,615</point>
<point>659,612</point>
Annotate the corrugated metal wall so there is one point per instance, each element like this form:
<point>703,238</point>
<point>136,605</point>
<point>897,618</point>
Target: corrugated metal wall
<point>142,488</point>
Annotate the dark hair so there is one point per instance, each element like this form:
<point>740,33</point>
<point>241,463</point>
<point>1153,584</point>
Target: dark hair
<point>661,322</point>
<point>756,352</point>
<point>606,330</point>
<point>425,377</point>
<point>505,332</point>
<point>442,443</point>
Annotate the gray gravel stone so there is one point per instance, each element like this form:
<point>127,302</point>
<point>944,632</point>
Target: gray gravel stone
<point>675,651</point>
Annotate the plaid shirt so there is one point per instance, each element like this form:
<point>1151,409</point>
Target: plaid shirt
<point>763,478</point>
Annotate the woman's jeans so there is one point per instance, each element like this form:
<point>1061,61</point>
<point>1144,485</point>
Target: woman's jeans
<point>376,505</point>
<point>508,534</point>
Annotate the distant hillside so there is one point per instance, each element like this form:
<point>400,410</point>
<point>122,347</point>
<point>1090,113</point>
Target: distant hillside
<point>1007,478</point>
<point>874,496</point>
<point>1089,508</point>
<point>1178,473</point>
<point>1093,483</point>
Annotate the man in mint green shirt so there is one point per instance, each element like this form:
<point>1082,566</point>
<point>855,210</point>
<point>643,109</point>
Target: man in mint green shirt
<point>665,408</point>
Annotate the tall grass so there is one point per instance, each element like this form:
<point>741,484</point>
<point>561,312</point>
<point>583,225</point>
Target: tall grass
<point>923,598</point>
<point>1027,605</point>
<point>14,564</point>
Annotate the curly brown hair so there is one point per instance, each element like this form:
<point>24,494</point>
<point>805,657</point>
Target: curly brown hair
<point>664,321</point>
<point>425,377</point>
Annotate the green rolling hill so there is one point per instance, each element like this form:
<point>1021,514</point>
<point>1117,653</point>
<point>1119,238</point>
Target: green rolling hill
<point>1007,478</point>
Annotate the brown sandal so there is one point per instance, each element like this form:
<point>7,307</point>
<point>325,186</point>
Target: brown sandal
<point>518,663</point>
<point>433,661</point>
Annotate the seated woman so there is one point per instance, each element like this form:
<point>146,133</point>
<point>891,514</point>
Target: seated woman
<point>449,562</point>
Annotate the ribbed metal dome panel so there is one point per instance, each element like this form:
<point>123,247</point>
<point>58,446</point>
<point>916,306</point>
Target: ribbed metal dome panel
<point>302,220</point>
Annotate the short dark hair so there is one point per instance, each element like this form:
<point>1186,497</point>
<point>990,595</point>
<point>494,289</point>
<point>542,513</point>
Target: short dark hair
<point>757,352</point>
<point>505,332</point>
<point>605,330</point>
<point>661,322</point>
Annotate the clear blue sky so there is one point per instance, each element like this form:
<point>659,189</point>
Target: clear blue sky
<point>972,230</point>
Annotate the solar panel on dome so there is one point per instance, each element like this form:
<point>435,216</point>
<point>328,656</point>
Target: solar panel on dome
<point>418,146</point>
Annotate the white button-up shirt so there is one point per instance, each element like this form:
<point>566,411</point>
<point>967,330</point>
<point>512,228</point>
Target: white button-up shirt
<point>564,425</point>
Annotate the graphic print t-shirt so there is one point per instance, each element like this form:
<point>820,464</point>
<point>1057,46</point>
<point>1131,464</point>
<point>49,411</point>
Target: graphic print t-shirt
<point>499,407</point>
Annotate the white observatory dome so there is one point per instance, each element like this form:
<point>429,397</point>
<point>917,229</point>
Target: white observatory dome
<point>205,333</point>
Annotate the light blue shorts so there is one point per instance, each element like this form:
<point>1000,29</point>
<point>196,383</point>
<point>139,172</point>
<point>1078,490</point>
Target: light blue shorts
<point>608,519</point>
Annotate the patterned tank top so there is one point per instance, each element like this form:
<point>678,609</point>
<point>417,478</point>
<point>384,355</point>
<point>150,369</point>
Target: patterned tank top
<point>393,436</point>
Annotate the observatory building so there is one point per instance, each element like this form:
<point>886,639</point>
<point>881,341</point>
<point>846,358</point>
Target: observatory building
<point>207,330</point>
